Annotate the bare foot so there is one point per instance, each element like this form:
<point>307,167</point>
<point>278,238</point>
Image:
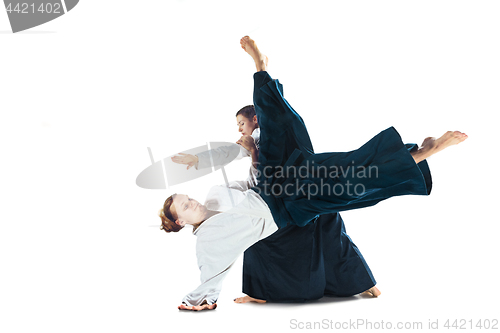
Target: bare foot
<point>251,48</point>
<point>373,292</point>
<point>431,146</point>
<point>450,138</point>
<point>247,299</point>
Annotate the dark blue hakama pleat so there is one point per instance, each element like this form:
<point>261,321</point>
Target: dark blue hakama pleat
<point>297,264</point>
<point>298,185</point>
<point>311,256</point>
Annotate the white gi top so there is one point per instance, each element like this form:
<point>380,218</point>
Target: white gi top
<point>222,238</point>
<point>220,156</point>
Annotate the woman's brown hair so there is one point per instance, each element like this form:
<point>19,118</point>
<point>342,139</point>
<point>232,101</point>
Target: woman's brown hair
<point>168,217</point>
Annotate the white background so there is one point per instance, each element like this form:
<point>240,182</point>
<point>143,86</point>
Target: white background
<point>83,96</point>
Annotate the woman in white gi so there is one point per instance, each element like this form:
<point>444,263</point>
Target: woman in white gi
<point>224,232</point>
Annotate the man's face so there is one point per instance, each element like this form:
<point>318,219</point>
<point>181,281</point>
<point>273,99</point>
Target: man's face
<point>245,125</point>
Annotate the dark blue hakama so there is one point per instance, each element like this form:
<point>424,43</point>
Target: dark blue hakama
<point>289,171</point>
<point>311,256</point>
<point>297,264</point>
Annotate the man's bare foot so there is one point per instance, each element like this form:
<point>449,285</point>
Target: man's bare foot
<point>251,48</point>
<point>431,146</point>
<point>373,292</point>
<point>247,299</point>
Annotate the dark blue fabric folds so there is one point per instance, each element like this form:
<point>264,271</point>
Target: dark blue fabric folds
<point>311,256</point>
<point>313,184</point>
<point>297,264</point>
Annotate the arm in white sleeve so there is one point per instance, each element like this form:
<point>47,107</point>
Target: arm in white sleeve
<point>216,253</point>
<point>220,156</point>
<point>208,290</point>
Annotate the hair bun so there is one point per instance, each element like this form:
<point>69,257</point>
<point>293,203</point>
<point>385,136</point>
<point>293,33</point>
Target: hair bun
<point>167,222</point>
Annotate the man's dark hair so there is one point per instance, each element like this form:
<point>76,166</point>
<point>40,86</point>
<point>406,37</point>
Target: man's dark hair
<point>247,112</point>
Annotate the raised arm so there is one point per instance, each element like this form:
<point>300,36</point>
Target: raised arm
<point>214,157</point>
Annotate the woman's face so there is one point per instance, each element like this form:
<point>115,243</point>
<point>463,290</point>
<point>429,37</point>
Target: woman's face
<point>245,125</point>
<point>189,211</point>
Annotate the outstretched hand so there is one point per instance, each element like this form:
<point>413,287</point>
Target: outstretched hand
<point>188,159</point>
<point>198,307</point>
